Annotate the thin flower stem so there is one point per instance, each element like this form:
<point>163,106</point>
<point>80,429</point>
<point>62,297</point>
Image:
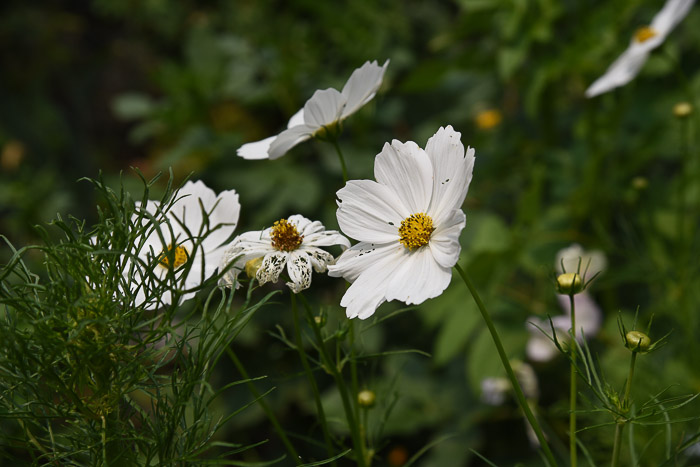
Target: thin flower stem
<point>310,376</point>
<point>265,406</point>
<point>358,445</point>
<point>625,406</point>
<point>572,390</point>
<point>104,440</point>
<point>342,159</point>
<point>509,370</point>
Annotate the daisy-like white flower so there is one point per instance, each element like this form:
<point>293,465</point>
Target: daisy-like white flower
<point>407,223</point>
<point>193,228</point>
<point>646,39</point>
<point>294,242</point>
<point>326,109</point>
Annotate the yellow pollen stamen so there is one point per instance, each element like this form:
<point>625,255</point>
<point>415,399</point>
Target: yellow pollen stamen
<point>415,231</point>
<point>180,256</point>
<point>285,236</point>
<point>644,34</point>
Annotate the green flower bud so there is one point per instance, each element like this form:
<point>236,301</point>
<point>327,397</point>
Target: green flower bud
<point>682,109</point>
<point>637,341</point>
<point>569,283</point>
<point>252,266</point>
<point>366,398</point>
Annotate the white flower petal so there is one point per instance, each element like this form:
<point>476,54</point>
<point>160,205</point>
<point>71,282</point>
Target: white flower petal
<point>621,72</point>
<point>452,169</point>
<point>223,218</point>
<point>670,15</point>
<point>324,108</point>
<point>444,241</point>
<point>589,316</point>
<point>358,258</point>
<point>299,269</point>
<point>418,278</point>
<point>370,212</point>
<point>288,139</point>
<point>320,259</point>
<point>362,86</point>
<point>257,149</point>
<point>297,119</point>
<point>326,238</point>
<point>368,291</point>
<point>271,267</point>
<point>406,169</point>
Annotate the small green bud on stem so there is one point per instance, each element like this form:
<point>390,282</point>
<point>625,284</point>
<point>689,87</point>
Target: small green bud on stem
<point>366,398</point>
<point>569,283</point>
<point>637,341</point>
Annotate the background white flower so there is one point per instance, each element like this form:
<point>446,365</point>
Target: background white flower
<point>646,39</point>
<point>325,108</point>
<point>294,242</point>
<point>407,223</point>
<point>198,223</point>
<point>589,316</point>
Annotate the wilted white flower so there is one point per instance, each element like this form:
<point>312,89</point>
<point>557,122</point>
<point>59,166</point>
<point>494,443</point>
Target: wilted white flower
<point>294,242</point>
<point>407,223</point>
<point>321,113</point>
<point>646,39</point>
<point>193,231</point>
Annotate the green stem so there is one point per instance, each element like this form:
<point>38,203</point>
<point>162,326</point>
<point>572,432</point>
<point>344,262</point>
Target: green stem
<point>617,443</point>
<point>334,141</point>
<point>509,370</point>
<point>265,406</point>
<point>310,376</point>
<point>625,407</point>
<point>572,391</point>
<point>104,441</point>
<point>358,445</point>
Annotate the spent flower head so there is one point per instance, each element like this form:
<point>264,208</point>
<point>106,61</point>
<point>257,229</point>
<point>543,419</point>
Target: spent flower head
<point>322,114</point>
<point>294,242</point>
<point>407,223</point>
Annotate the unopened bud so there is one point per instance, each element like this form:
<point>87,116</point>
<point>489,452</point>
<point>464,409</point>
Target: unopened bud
<point>569,283</point>
<point>320,320</point>
<point>637,341</point>
<point>366,398</point>
<point>682,109</point>
<point>252,266</point>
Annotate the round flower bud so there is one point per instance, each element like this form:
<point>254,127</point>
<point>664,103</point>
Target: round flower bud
<point>682,109</point>
<point>252,266</point>
<point>569,283</point>
<point>320,320</point>
<point>637,341</point>
<point>366,398</point>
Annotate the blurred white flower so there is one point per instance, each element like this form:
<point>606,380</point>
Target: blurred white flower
<point>293,242</point>
<point>193,231</point>
<point>592,262</point>
<point>646,39</point>
<point>325,109</point>
<point>589,316</point>
<point>407,223</point>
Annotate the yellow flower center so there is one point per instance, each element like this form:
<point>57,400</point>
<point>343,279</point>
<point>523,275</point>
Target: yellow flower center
<point>644,34</point>
<point>285,236</point>
<point>179,256</point>
<point>415,231</point>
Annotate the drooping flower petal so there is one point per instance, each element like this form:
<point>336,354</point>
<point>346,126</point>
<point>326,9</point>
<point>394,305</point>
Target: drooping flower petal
<point>324,108</point>
<point>257,149</point>
<point>299,268</point>
<point>288,139</point>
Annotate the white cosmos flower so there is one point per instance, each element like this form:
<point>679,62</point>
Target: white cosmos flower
<point>646,39</point>
<point>407,223</point>
<point>325,109</point>
<point>193,231</point>
<point>294,242</point>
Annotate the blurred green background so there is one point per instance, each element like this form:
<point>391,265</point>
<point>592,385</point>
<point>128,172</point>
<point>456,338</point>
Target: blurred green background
<point>107,85</point>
